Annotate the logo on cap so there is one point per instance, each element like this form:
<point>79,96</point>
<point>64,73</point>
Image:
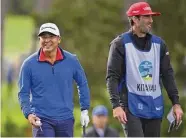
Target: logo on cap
<point>48,27</point>
<point>147,9</point>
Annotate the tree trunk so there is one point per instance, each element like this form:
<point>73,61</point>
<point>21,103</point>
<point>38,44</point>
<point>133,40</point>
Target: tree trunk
<point>4,9</point>
<point>42,6</point>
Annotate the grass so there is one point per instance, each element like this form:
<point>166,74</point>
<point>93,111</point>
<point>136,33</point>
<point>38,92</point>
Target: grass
<point>10,107</point>
<point>17,36</point>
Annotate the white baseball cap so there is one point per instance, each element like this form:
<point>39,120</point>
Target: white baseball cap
<point>49,27</point>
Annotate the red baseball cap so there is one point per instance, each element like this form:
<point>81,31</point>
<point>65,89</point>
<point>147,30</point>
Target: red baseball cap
<point>141,8</point>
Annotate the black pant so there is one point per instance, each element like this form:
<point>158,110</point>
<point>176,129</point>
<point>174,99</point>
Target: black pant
<point>140,127</point>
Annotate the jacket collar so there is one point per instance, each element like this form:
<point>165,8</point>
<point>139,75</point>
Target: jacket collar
<point>148,35</point>
<point>59,55</point>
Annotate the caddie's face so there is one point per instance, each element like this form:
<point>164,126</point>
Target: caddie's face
<point>49,42</point>
<point>145,23</point>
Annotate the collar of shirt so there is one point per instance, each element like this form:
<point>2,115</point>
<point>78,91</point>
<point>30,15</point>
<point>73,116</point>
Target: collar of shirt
<point>142,43</point>
<point>59,55</point>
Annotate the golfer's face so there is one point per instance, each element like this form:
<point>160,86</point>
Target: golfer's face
<point>49,42</point>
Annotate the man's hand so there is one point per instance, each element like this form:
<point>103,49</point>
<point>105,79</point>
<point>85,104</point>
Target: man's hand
<point>178,113</point>
<point>120,114</point>
<point>84,118</point>
<point>33,119</point>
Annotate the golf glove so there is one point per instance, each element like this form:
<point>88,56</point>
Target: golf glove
<point>84,118</point>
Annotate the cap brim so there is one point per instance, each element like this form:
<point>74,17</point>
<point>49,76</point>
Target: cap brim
<point>153,13</point>
<point>40,34</point>
<point>49,31</point>
<point>100,115</point>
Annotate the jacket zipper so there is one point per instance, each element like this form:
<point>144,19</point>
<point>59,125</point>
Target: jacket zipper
<point>52,69</point>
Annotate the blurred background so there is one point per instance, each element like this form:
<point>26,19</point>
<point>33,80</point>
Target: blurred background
<point>87,28</point>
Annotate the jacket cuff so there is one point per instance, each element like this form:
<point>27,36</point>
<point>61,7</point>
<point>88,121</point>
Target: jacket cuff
<point>84,109</point>
<point>114,105</point>
<point>175,100</point>
<point>27,114</point>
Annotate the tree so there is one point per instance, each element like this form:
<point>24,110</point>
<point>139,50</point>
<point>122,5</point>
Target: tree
<point>173,32</point>
<point>40,8</point>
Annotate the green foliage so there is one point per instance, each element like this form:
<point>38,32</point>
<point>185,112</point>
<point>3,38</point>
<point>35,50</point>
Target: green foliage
<point>87,28</point>
<point>165,125</point>
<point>12,121</point>
<point>171,27</point>
<point>21,7</point>
<point>11,129</point>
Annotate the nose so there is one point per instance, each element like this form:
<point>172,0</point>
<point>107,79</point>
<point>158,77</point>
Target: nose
<point>47,39</point>
<point>151,20</point>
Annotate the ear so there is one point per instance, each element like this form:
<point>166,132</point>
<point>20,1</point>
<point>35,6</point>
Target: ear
<point>59,41</point>
<point>135,19</point>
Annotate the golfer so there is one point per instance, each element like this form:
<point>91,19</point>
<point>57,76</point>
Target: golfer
<point>46,87</point>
